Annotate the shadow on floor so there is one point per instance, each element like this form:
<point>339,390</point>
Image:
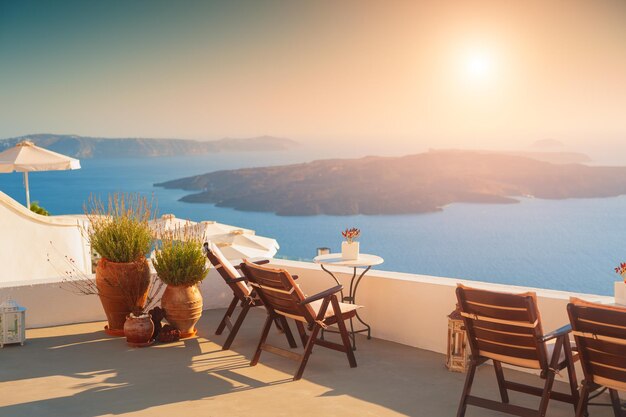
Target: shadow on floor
<point>85,373</point>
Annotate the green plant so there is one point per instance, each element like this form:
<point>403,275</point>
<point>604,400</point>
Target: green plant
<point>36,208</point>
<point>179,259</point>
<point>119,230</point>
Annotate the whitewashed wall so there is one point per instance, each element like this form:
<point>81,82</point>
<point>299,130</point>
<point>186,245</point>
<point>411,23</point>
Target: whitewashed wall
<point>404,308</point>
<point>25,243</point>
<point>51,303</point>
<point>412,309</point>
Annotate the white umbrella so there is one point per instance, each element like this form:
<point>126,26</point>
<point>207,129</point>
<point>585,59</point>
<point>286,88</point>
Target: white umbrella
<point>26,157</point>
<point>235,242</point>
<point>169,223</point>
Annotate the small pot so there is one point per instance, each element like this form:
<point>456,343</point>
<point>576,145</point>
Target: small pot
<point>350,250</point>
<point>138,330</point>
<point>183,308</point>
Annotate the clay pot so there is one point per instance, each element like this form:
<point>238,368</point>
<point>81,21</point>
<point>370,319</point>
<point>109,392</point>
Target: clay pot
<point>120,283</point>
<point>138,330</point>
<point>183,307</point>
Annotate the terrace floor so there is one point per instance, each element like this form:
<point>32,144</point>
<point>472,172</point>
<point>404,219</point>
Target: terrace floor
<point>76,370</point>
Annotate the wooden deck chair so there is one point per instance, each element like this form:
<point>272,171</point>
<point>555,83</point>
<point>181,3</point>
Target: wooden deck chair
<point>506,328</point>
<point>283,298</point>
<point>242,294</point>
<point>600,333</point>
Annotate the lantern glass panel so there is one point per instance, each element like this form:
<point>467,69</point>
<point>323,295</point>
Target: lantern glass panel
<point>12,327</point>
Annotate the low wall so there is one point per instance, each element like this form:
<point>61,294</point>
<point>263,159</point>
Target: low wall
<point>34,247</point>
<point>405,308</point>
<point>412,309</point>
<point>51,303</point>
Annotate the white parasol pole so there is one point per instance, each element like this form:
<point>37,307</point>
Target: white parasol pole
<point>27,191</point>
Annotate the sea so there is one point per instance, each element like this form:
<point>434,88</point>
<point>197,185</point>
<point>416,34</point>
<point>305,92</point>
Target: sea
<point>571,244</point>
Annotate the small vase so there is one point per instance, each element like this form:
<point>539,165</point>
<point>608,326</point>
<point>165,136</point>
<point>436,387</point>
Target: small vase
<point>350,250</point>
<point>620,293</point>
<point>183,308</point>
<point>138,330</point>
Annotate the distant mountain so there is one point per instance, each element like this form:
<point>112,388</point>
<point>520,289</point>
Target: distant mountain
<point>554,157</point>
<point>394,185</point>
<point>90,147</point>
<point>548,144</point>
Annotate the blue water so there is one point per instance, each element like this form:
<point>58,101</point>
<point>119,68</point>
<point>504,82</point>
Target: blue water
<point>566,244</point>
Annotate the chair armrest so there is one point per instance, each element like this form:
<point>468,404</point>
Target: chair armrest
<point>239,279</point>
<point>322,294</point>
<point>557,333</point>
<point>261,262</point>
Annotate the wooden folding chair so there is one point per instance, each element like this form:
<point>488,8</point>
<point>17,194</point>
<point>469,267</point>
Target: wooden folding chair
<point>283,298</point>
<point>242,294</point>
<point>506,328</point>
<point>600,333</point>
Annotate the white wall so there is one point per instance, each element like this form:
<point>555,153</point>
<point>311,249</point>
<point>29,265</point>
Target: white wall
<point>412,309</point>
<point>28,240</point>
<point>51,303</point>
<point>404,308</point>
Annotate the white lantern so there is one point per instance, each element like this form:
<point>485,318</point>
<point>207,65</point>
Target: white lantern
<point>12,323</point>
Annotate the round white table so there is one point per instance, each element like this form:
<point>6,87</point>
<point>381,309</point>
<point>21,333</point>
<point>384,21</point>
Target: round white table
<point>363,261</point>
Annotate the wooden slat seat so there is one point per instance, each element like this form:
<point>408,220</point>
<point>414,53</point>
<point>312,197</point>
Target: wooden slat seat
<point>347,310</point>
<point>242,295</point>
<point>506,328</point>
<point>600,333</point>
<point>282,297</point>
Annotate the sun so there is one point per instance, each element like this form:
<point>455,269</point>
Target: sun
<point>478,66</point>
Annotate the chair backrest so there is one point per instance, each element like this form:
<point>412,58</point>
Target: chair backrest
<point>279,291</point>
<point>503,327</point>
<point>600,333</point>
<point>227,271</point>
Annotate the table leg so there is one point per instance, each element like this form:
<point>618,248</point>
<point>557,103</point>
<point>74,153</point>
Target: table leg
<point>351,298</point>
<point>369,329</point>
<point>334,277</point>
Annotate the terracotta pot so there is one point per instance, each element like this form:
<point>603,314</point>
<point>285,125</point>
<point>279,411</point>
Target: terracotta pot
<point>138,330</point>
<point>183,307</point>
<point>118,284</point>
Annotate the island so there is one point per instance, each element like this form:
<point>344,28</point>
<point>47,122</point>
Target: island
<point>419,183</point>
<point>92,147</point>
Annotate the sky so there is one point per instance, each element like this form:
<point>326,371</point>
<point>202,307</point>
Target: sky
<point>391,74</point>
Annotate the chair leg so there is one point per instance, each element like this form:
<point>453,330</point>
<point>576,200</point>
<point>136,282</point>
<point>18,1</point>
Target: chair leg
<point>571,372</point>
<point>264,333</point>
<point>582,400</point>
<point>303,337</point>
<point>227,315</point>
<point>616,403</point>
<point>345,338</point>
<point>307,352</point>
<point>287,330</point>
<point>469,379</point>
<point>236,326</point>
<point>545,398</point>
<point>551,373</point>
<point>504,395</point>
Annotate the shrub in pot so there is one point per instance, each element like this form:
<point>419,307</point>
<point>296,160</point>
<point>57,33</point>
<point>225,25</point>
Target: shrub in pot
<point>181,264</point>
<point>119,232</point>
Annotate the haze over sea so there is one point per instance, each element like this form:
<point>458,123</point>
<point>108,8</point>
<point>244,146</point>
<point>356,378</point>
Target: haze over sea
<point>568,245</point>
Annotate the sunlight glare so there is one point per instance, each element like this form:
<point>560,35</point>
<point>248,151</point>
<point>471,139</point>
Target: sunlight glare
<point>479,65</point>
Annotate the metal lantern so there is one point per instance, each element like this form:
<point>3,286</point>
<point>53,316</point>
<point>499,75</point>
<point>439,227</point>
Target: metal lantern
<point>323,251</point>
<point>12,323</point>
<point>457,354</point>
